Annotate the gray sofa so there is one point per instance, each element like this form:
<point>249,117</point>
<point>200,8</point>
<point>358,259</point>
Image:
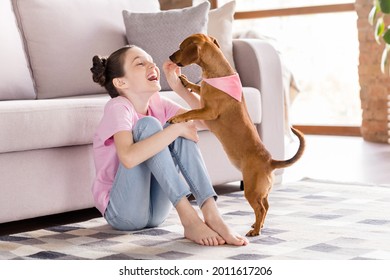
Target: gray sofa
<point>49,106</point>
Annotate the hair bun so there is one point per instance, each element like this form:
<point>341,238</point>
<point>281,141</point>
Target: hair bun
<point>98,70</point>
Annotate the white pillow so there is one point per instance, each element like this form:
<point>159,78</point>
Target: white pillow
<point>220,26</point>
<point>16,81</point>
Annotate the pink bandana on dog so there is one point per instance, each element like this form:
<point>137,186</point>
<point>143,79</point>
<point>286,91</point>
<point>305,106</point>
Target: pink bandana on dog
<point>229,84</point>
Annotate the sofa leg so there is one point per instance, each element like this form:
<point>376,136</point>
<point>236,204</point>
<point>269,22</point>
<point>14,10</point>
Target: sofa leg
<point>242,185</point>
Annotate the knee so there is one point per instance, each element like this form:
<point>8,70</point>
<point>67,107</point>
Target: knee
<point>126,224</point>
<point>185,145</point>
<point>155,222</point>
<point>138,223</point>
<point>146,127</point>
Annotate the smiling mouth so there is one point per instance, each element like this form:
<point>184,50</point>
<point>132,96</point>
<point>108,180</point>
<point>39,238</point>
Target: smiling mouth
<point>152,77</point>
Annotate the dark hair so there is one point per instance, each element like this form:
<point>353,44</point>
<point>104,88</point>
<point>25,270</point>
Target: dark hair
<point>105,69</point>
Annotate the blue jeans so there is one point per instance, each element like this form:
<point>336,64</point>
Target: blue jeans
<point>143,195</point>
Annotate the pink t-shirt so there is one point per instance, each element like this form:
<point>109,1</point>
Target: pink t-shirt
<point>119,115</point>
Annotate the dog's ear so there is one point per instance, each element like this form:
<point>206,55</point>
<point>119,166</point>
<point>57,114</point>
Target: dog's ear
<point>193,52</point>
<point>215,41</point>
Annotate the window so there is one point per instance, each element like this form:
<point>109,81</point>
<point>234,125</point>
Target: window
<point>320,49</point>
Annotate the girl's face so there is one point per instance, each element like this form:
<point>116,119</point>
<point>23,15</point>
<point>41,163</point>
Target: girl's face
<point>141,74</point>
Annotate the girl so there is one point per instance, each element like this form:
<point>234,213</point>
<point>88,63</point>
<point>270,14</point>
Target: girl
<point>138,157</point>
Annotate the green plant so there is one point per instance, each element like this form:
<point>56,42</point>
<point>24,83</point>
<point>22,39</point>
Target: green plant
<point>377,16</point>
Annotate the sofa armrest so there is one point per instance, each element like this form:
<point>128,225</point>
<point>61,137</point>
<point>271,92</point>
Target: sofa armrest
<point>259,66</point>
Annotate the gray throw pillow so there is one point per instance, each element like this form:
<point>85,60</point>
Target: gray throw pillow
<point>160,34</point>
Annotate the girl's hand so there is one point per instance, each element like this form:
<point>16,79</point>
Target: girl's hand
<point>172,73</point>
<point>188,130</point>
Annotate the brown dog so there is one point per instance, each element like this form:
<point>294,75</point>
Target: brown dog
<point>229,120</point>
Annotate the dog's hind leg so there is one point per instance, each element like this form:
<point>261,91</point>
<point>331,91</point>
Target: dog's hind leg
<point>260,207</point>
<point>266,206</point>
<point>256,192</point>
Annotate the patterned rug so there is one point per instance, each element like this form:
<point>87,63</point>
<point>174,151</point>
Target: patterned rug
<point>309,220</point>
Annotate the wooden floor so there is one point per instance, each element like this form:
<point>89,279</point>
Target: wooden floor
<point>347,159</point>
<point>334,158</point>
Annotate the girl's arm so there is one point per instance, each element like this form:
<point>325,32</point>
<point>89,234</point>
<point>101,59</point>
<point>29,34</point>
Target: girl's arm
<point>131,154</point>
<point>172,72</point>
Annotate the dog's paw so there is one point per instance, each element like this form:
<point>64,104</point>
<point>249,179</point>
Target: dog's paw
<point>175,119</point>
<point>172,120</point>
<point>184,80</point>
<point>253,232</point>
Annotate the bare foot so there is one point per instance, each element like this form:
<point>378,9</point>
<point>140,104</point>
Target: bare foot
<point>214,220</point>
<point>222,228</point>
<point>194,228</point>
<point>200,233</point>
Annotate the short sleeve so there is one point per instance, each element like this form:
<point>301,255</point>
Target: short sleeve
<point>117,117</point>
<point>171,108</point>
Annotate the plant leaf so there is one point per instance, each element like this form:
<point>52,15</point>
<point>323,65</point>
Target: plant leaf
<point>376,4</point>
<point>379,28</point>
<point>372,15</point>
<point>385,6</point>
<point>386,35</point>
<point>385,60</point>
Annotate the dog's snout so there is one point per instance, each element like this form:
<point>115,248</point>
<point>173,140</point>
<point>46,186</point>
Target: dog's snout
<point>174,60</point>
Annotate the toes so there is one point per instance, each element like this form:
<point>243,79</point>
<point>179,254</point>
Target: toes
<point>221,241</point>
<point>215,241</point>
<point>240,241</point>
<point>244,240</point>
<point>212,241</point>
<point>207,241</point>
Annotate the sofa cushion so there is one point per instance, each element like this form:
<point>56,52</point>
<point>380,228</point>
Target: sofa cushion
<point>252,99</point>
<point>14,72</point>
<point>160,34</point>
<point>38,124</point>
<point>62,36</point>
<point>220,26</point>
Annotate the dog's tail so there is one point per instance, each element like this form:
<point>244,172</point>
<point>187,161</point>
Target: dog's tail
<point>276,164</point>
